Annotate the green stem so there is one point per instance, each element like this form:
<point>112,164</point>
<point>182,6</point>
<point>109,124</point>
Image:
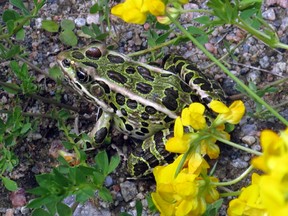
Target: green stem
<point>155,47</point>
<point>269,40</point>
<point>239,82</point>
<point>235,145</point>
<point>236,180</point>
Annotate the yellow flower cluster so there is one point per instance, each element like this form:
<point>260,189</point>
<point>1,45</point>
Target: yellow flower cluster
<point>187,193</point>
<point>136,11</point>
<point>267,195</point>
<point>193,116</point>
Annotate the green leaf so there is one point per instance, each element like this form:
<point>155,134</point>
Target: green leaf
<point>63,210</point>
<point>151,204</point>
<point>10,15</point>
<point>20,35</point>
<point>162,26</point>
<point>67,25</point>
<point>25,128</point>
<point>86,30</point>
<point>105,194</point>
<point>9,184</point>
<point>20,5</point>
<point>213,209</point>
<point>114,162</point>
<point>55,72</point>
<point>85,193</point>
<point>95,9</point>
<point>162,38</point>
<point>139,208</point>
<point>40,212</point>
<point>50,26</point>
<point>14,50</point>
<point>203,20</point>
<point>68,37</point>
<point>10,90</point>
<point>102,163</point>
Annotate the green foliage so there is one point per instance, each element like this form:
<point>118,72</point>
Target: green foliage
<point>22,74</point>
<point>14,128</point>
<point>94,32</point>
<point>213,208</point>
<point>81,180</point>
<point>260,92</point>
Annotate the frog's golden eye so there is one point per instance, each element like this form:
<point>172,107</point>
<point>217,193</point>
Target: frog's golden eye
<point>66,63</point>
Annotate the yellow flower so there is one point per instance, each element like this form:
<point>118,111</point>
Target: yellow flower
<point>136,11</point>
<point>232,114</point>
<point>249,202</point>
<point>180,142</point>
<point>274,148</point>
<point>194,116</point>
<point>185,194</point>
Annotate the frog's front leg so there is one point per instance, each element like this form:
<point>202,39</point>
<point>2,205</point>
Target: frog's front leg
<point>101,129</point>
<point>151,153</point>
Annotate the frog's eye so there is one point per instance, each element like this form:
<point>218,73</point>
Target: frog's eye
<point>93,53</point>
<point>66,63</point>
<point>82,76</point>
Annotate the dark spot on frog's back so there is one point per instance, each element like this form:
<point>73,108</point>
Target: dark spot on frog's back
<point>170,100</point>
<point>77,55</point>
<point>117,77</point>
<point>120,99</point>
<point>100,135</point>
<point>115,58</point>
<point>203,83</point>
<point>130,70</point>
<point>93,53</point>
<point>150,110</point>
<point>145,73</point>
<point>143,88</point>
<point>132,104</point>
<point>91,64</point>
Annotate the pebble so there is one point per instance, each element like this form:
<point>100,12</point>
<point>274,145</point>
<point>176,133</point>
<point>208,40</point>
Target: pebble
<point>249,129</point>
<point>108,181</point>
<point>254,76</point>
<point>38,23</point>
<point>279,68</point>
<point>128,190</point>
<point>264,62</point>
<point>269,14</point>
<point>249,140</point>
<point>79,22</point>
<point>239,163</point>
<point>92,18</point>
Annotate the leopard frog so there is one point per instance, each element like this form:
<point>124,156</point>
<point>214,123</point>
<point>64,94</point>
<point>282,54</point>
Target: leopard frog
<point>141,100</point>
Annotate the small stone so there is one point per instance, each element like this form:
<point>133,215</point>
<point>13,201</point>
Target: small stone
<point>269,14</point>
<point>249,140</point>
<point>239,163</point>
<point>38,23</point>
<point>128,190</point>
<point>108,181</point>
<point>79,22</point>
<point>92,18</point>
<point>264,62</point>
<point>279,68</point>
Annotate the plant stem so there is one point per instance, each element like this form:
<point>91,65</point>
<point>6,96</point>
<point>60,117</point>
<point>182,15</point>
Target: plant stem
<point>239,82</point>
<point>155,47</point>
<point>236,180</point>
<point>235,145</point>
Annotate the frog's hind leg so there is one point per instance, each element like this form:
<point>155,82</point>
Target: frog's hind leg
<point>150,154</point>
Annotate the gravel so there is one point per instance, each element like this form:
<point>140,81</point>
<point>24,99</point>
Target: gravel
<point>43,46</point>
